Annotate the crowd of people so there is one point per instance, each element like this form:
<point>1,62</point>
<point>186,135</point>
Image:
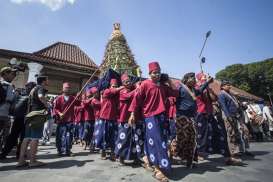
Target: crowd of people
<point>155,122</point>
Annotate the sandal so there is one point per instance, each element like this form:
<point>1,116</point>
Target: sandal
<point>160,176</point>
<point>36,164</point>
<point>112,157</point>
<point>234,162</point>
<point>103,156</point>
<point>201,158</point>
<point>121,163</point>
<point>22,164</point>
<point>148,167</point>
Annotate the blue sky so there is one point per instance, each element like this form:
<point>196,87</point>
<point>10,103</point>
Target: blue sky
<point>169,31</point>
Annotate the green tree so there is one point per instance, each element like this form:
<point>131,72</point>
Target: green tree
<point>256,78</point>
<point>118,55</point>
<point>237,74</point>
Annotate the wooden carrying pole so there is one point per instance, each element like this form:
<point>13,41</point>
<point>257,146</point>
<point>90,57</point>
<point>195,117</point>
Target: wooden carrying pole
<point>67,108</point>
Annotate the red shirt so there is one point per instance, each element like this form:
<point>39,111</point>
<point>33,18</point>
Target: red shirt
<point>109,104</point>
<point>96,107</point>
<point>203,101</point>
<point>139,112</point>
<point>78,114</point>
<point>152,98</point>
<point>171,107</point>
<point>60,106</point>
<point>125,98</point>
<point>88,112</point>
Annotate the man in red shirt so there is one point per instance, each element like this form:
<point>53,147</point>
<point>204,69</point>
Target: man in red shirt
<point>96,105</point>
<point>106,129</point>
<point>78,117</point>
<point>81,123</point>
<point>151,96</point>
<point>64,121</point>
<point>125,148</point>
<point>89,119</point>
<point>211,133</point>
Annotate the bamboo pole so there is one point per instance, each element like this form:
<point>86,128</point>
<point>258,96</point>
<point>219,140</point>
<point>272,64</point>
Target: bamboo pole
<point>67,108</point>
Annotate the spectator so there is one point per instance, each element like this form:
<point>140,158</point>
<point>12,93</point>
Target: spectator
<point>32,135</point>
<point>18,126</point>
<point>7,100</point>
<point>268,118</point>
<point>49,124</point>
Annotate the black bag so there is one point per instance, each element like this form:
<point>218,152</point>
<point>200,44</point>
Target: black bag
<point>35,119</point>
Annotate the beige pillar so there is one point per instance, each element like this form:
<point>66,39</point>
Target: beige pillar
<point>34,69</point>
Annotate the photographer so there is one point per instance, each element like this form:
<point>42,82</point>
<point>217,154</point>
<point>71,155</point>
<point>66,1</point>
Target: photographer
<point>7,100</point>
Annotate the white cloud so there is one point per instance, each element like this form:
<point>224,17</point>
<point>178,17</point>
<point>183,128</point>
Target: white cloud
<point>52,4</point>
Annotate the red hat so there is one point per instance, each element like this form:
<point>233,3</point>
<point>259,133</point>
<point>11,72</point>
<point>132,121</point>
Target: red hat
<point>88,92</point>
<point>66,85</point>
<point>124,77</point>
<point>200,77</point>
<point>153,66</point>
<point>113,81</point>
<point>93,90</point>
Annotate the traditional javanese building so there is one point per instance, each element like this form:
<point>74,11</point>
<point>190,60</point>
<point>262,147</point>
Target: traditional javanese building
<point>61,62</point>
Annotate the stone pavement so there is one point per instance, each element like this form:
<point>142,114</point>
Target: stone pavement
<point>85,167</point>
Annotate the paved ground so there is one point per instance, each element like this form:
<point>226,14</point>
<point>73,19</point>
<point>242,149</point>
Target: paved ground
<point>88,167</point>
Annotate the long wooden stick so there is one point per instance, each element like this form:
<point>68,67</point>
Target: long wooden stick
<point>67,108</point>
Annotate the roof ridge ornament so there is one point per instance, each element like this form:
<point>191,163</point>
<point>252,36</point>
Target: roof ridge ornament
<point>116,31</point>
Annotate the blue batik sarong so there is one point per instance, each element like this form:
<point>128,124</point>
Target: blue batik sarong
<point>211,135</point>
<point>156,137</point>
<point>130,141</point>
<point>105,133</point>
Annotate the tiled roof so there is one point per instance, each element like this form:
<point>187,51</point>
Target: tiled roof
<point>59,54</point>
<point>236,91</point>
<point>215,86</point>
<point>66,53</point>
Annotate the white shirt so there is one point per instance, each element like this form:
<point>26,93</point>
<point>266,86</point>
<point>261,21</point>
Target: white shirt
<point>253,108</point>
<point>66,98</point>
<point>267,114</point>
<point>268,117</point>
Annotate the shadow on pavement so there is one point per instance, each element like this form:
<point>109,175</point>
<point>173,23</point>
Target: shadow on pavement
<point>65,164</point>
<point>50,165</point>
<point>55,156</point>
<point>256,154</point>
<point>212,165</point>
